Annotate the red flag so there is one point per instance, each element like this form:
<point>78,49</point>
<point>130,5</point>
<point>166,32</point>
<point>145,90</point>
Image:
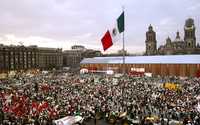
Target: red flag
<point>6,108</point>
<point>106,41</point>
<point>42,106</point>
<point>45,105</point>
<point>52,112</point>
<point>35,105</point>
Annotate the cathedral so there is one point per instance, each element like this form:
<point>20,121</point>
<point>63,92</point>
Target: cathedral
<point>187,45</point>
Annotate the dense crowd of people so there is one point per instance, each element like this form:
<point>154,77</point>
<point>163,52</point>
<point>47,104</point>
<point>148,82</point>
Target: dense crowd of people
<point>40,99</point>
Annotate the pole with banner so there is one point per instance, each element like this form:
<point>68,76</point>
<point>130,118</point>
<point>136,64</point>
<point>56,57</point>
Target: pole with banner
<point>112,36</point>
<point>121,24</point>
<point>124,70</point>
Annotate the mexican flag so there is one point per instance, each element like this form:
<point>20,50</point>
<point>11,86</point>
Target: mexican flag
<point>113,34</point>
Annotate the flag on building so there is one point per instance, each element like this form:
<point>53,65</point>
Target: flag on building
<point>113,34</point>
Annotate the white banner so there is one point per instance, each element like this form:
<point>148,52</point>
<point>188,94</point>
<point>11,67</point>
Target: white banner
<point>69,120</point>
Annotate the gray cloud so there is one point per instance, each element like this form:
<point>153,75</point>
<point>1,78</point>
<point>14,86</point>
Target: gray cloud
<point>69,22</point>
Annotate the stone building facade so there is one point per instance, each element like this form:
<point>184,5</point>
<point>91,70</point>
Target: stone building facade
<point>73,57</point>
<point>188,45</point>
<point>151,43</point>
<point>16,58</point>
<point>50,58</point>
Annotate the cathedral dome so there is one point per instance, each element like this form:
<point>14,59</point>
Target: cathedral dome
<point>178,38</point>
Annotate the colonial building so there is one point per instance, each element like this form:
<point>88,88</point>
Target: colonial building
<point>187,45</point>
<point>73,57</point>
<point>50,58</point>
<point>16,58</point>
<point>151,43</point>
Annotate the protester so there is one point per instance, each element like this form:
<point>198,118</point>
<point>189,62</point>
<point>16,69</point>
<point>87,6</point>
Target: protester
<point>43,98</point>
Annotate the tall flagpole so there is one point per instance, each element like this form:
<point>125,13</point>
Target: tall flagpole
<point>124,70</point>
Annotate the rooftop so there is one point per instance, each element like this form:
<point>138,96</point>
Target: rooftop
<point>168,59</point>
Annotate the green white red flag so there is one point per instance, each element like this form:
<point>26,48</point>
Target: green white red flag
<point>113,34</point>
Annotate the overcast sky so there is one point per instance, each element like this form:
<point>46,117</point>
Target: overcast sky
<point>62,23</point>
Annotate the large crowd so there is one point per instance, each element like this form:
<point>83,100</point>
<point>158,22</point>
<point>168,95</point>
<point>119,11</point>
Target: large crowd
<point>41,98</point>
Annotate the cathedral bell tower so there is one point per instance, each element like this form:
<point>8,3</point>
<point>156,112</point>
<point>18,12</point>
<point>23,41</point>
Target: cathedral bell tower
<point>189,33</point>
<point>151,43</point>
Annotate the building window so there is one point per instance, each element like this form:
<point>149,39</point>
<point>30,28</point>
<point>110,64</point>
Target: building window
<point>189,44</point>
